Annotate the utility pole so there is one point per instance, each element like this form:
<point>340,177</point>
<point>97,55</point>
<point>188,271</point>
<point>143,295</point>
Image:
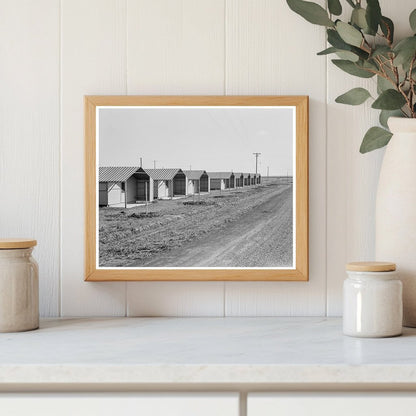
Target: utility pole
<point>267,171</point>
<point>256,154</point>
<point>154,164</point>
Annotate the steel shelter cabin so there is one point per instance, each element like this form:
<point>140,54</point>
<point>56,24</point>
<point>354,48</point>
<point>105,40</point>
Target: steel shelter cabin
<point>198,181</point>
<point>239,180</point>
<point>221,180</point>
<point>247,179</point>
<point>168,183</point>
<point>118,185</point>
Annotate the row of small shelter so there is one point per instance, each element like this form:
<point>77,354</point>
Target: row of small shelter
<point>130,185</point>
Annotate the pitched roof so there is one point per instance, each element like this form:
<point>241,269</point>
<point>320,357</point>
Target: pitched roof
<point>220,175</point>
<point>194,174</point>
<point>116,173</point>
<point>162,174</point>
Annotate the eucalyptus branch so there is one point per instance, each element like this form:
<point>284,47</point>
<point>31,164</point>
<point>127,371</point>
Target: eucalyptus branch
<point>387,38</point>
<point>406,97</point>
<point>411,90</point>
<point>372,71</point>
<point>385,75</point>
<point>380,64</point>
<point>395,71</point>
<point>365,45</point>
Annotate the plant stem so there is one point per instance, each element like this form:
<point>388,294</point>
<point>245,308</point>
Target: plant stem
<point>412,85</point>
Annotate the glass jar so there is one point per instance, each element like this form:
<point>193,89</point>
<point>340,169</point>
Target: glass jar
<point>372,300</point>
<point>19,286</point>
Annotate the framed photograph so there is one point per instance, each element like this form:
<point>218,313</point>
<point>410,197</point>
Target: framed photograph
<point>196,188</point>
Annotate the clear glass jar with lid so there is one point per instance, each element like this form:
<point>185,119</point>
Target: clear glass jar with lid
<point>19,286</point>
<point>372,300</point>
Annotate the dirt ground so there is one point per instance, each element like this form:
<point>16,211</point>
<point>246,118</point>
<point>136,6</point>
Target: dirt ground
<point>246,227</point>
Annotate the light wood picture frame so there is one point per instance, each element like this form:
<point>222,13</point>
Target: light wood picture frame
<point>109,118</point>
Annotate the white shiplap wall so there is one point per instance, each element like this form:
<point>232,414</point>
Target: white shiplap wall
<point>55,52</point>
<point>30,134</point>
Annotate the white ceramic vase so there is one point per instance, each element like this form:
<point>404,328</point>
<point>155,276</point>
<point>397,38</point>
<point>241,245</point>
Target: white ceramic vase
<point>396,210</point>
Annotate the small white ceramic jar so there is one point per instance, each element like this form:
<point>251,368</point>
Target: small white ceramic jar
<point>19,286</point>
<point>372,300</point>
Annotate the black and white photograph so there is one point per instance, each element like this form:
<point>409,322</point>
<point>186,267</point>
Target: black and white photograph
<point>196,187</point>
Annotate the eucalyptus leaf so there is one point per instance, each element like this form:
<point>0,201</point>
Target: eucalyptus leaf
<point>358,18</point>
<point>405,50</point>
<point>383,84</point>
<point>352,68</point>
<point>389,100</point>
<point>386,114</point>
<point>327,51</point>
<point>360,52</point>
<point>392,76</point>
<point>311,12</point>
<point>349,34</point>
<point>336,41</point>
<point>350,56</point>
<point>412,20</point>
<point>373,65</point>
<point>387,27</point>
<point>375,138</point>
<point>356,96</point>
<point>334,7</point>
<point>381,50</point>
<point>373,15</point>
<point>347,55</point>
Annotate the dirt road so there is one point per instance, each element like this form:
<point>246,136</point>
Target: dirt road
<point>261,237</point>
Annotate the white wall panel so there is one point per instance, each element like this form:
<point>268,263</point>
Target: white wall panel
<point>93,62</point>
<point>175,299</point>
<point>266,55</point>
<point>123,404</point>
<point>328,404</point>
<point>352,177</point>
<point>175,47</point>
<point>29,135</point>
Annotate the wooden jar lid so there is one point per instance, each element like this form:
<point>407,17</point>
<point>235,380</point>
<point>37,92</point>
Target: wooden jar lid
<point>11,243</point>
<point>371,266</point>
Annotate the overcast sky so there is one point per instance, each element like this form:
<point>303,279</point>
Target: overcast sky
<point>212,139</point>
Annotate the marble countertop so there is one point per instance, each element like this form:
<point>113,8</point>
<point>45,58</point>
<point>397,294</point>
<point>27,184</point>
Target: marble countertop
<point>203,351</point>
